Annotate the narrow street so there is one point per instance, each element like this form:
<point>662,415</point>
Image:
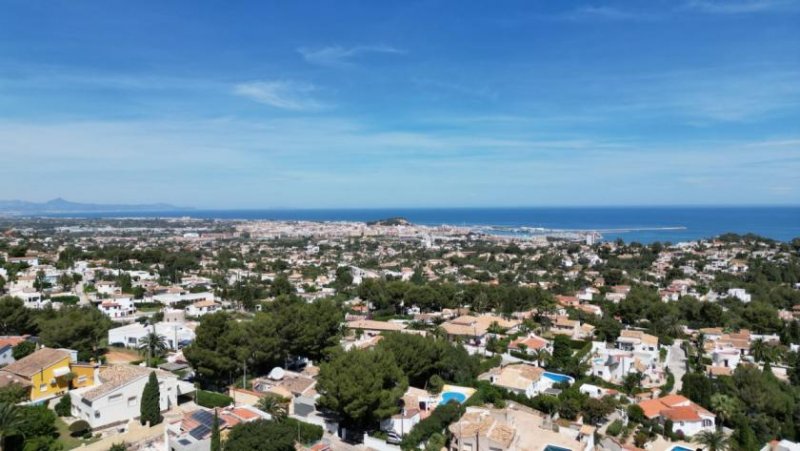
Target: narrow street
<point>677,364</point>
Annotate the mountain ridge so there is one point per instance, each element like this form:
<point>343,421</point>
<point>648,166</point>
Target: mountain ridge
<point>61,205</point>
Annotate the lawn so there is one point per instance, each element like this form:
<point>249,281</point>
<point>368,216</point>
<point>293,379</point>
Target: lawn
<point>67,440</point>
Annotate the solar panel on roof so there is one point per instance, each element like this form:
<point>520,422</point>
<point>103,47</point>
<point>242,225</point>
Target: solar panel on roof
<point>204,417</point>
<point>200,432</point>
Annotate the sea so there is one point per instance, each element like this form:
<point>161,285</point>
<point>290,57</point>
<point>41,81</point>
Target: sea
<point>639,224</point>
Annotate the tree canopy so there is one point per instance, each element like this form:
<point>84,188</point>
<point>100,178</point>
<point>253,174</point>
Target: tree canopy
<point>361,386</point>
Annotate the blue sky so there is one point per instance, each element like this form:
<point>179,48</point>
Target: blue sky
<point>296,104</point>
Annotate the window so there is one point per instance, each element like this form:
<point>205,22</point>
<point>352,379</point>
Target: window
<point>132,401</point>
<point>82,380</point>
<point>115,398</point>
<point>43,387</point>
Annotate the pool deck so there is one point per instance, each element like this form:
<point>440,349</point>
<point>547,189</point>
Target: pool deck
<point>664,445</point>
<point>466,391</point>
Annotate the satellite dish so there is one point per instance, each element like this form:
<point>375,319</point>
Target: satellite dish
<point>277,373</point>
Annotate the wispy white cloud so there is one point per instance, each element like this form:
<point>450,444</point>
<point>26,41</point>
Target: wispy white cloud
<point>257,163</point>
<point>608,13</point>
<point>728,96</point>
<point>335,55</point>
<point>283,94</point>
<point>743,6</point>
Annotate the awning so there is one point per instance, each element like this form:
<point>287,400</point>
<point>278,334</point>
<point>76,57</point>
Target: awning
<point>62,371</point>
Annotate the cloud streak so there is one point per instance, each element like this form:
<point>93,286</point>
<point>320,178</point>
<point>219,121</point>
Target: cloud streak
<point>743,6</point>
<point>282,94</point>
<point>338,56</point>
<point>607,13</point>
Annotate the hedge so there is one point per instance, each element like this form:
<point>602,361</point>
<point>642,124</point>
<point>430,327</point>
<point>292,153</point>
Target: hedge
<point>210,399</point>
<point>441,417</point>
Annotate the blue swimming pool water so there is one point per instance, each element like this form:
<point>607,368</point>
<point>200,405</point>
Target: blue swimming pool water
<point>555,448</point>
<point>557,377</point>
<point>452,396</point>
<point>680,448</point>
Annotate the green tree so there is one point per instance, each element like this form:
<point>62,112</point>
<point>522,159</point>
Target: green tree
<point>152,346</point>
<point>121,446</point>
<point>713,440</point>
<point>63,407</point>
<point>13,393</point>
<point>595,410</point>
<point>37,421</point>
<point>11,422</point>
<point>262,435</point>
<point>65,281</point>
<point>698,388</point>
<point>632,382</point>
<point>79,428</point>
<point>562,353</point>
<point>281,286</point>
<point>223,345</point>
<point>79,328</point>
<point>23,349</point>
<point>216,443</point>
<point>436,442</point>
<point>361,386</point>
<point>275,405</point>
<point>344,278</point>
<point>724,406</point>
<point>150,407</point>
<point>15,319</point>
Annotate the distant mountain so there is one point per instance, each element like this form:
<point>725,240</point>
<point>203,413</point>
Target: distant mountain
<point>59,205</point>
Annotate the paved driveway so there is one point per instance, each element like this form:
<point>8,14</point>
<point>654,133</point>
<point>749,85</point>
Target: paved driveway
<point>677,364</point>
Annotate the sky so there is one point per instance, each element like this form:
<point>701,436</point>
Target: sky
<point>368,104</point>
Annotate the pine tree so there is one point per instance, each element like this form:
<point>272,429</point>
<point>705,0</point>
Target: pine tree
<point>216,445</point>
<point>150,408</point>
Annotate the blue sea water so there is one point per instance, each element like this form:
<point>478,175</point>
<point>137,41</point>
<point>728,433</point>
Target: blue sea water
<point>642,224</point>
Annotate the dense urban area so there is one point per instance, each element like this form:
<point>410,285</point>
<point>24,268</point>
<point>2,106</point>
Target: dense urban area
<point>189,335</point>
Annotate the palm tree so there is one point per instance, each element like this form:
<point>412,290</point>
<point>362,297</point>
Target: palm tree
<point>541,357</point>
<point>275,405</point>
<point>10,422</point>
<point>713,440</point>
<point>152,345</point>
<point>724,406</point>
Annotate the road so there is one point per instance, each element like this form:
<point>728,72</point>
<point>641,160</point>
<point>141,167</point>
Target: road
<point>677,364</point>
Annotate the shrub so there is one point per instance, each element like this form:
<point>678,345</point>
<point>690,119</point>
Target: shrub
<point>210,399</point>
<point>640,439</point>
<point>23,349</point>
<point>667,387</point>
<point>79,428</point>
<point>64,406</point>
<point>271,435</point>
<point>440,418</point>
<point>635,413</point>
<point>435,384</point>
<point>614,428</point>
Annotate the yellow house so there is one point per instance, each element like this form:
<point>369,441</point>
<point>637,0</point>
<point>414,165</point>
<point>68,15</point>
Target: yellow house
<point>50,372</point>
<point>83,374</point>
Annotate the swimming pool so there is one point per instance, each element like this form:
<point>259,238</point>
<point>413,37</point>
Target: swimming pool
<point>452,396</point>
<point>680,448</point>
<point>555,377</point>
<point>555,448</point>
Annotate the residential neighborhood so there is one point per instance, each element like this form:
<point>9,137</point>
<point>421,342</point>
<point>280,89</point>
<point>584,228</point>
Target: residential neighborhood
<point>185,334</point>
